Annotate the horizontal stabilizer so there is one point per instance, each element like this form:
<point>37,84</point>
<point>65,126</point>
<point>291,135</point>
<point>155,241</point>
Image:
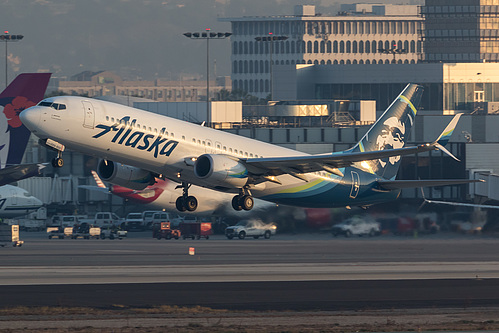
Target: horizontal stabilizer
<point>400,184</point>
<point>460,204</point>
<point>95,188</point>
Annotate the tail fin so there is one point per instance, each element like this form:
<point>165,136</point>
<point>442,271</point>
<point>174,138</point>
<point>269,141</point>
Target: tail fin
<point>98,180</point>
<point>25,91</point>
<point>391,130</point>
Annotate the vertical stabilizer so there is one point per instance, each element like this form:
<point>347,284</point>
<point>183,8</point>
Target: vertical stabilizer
<point>391,131</point>
<point>25,91</point>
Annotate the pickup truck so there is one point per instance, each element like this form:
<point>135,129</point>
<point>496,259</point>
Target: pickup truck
<point>133,221</point>
<point>103,220</point>
<point>253,228</point>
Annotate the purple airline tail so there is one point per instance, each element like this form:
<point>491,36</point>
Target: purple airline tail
<point>25,91</point>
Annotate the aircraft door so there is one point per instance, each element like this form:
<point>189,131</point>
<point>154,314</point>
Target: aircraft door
<point>89,114</point>
<point>355,185</point>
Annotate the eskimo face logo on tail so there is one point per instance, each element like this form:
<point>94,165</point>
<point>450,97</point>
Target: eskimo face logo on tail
<point>391,137</point>
<point>129,137</point>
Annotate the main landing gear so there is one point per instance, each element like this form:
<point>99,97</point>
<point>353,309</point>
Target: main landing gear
<point>58,162</point>
<point>243,201</point>
<point>186,201</point>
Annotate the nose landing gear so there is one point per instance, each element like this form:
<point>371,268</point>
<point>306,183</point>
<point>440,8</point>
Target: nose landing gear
<point>58,162</point>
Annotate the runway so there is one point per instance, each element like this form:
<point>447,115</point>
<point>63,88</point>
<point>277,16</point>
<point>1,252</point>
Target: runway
<point>288,272</point>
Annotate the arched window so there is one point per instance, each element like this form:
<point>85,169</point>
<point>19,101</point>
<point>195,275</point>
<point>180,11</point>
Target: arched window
<point>267,86</point>
<point>361,47</point>
<point>342,62</point>
<point>316,47</point>
<point>256,86</point>
<point>335,62</point>
<point>245,47</point>
<point>316,62</point>
<point>240,67</point>
<point>349,47</point>
<point>287,47</point>
<point>406,46</point>
<point>342,47</point>
<point>309,62</point>
<point>368,62</point>
<point>387,45</point>
<point>251,66</point>
<point>234,48</point>
<point>309,47</point>
<point>412,61</point>
<point>373,48</point>
<point>374,62</point>
<point>368,47</point>
<point>251,47</point>
<point>353,62</point>
<point>387,62</point>
<point>323,47</point>
<point>328,46</point>
<point>406,61</point>
<point>234,67</point>
<point>380,46</point>
<point>266,66</point>
<point>261,86</point>
<point>246,85</point>
<point>335,46</point>
<point>323,62</point>
<point>293,47</point>
<point>354,46</point>
<point>413,46</point>
<point>235,85</point>
<point>399,45</point>
<point>328,62</point>
<point>251,86</point>
<point>245,66</point>
<point>262,67</point>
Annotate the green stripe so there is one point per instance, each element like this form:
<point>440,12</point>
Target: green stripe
<point>405,99</point>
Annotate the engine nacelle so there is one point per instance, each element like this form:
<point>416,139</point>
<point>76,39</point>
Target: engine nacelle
<point>221,171</point>
<point>125,175</point>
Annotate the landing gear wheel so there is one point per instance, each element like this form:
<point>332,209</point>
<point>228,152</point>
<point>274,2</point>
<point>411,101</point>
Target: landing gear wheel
<point>191,203</point>
<point>57,162</point>
<point>180,204</point>
<point>247,202</point>
<point>236,204</point>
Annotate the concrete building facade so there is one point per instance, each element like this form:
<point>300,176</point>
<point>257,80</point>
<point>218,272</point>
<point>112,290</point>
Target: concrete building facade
<point>357,36</point>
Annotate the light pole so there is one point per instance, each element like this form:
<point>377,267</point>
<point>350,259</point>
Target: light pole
<point>9,38</point>
<point>271,38</point>
<point>207,35</point>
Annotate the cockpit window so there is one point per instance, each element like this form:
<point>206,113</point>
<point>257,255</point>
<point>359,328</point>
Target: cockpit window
<point>56,106</point>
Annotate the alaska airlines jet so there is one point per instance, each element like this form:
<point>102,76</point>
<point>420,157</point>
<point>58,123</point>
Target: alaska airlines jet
<point>137,146</point>
<point>15,201</point>
<point>163,195</point>
<point>25,91</point>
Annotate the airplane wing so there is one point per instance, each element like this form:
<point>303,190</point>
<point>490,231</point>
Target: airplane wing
<point>462,204</point>
<point>95,188</point>
<point>331,162</point>
<point>17,172</point>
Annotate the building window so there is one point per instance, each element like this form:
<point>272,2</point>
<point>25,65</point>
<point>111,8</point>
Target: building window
<point>335,46</point>
<point>316,47</point>
<point>309,47</point>
<point>342,47</point>
<point>328,46</point>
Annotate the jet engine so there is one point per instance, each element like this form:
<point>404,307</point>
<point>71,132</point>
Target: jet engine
<point>125,175</point>
<point>220,170</point>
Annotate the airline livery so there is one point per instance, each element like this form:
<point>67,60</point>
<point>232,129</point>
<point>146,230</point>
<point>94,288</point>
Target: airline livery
<point>138,146</point>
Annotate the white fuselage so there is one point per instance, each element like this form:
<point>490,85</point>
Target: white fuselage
<point>90,126</point>
<point>15,201</point>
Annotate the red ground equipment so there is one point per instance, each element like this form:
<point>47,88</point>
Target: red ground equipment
<point>164,230</point>
<point>195,229</point>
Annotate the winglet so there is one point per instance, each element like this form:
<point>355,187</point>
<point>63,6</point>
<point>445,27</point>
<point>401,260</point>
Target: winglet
<point>443,139</point>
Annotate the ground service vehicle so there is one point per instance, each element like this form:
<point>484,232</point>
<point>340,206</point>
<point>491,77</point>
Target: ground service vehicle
<point>9,234</point>
<point>356,226</point>
<point>112,233</point>
<point>164,230</point>
<point>195,229</point>
<point>253,228</point>
<point>103,220</point>
<point>55,232</point>
<point>133,221</point>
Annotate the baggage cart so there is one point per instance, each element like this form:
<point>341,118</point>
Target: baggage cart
<point>195,230</point>
<point>9,235</point>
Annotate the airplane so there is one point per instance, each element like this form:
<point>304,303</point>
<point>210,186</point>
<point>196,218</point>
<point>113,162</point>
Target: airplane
<point>15,201</point>
<point>23,92</point>
<point>138,146</point>
<point>454,203</point>
<point>163,194</point>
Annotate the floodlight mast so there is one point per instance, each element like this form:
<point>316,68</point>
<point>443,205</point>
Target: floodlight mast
<point>8,38</point>
<point>207,35</point>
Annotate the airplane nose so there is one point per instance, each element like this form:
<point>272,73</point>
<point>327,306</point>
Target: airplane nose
<point>30,118</point>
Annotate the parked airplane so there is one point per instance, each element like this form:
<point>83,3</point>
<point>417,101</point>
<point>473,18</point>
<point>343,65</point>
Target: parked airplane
<point>159,146</point>
<point>15,201</point>
<point>163,194</point>
<point>25,91</point>
<point>453,203</point>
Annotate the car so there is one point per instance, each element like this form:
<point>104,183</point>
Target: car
<point>133,221</point>
<point>252,228</point>
<point>359,226</point>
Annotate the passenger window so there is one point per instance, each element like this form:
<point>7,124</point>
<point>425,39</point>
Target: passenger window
<point>251,155</point>
<point>183,137</point>
<point>194,140</point>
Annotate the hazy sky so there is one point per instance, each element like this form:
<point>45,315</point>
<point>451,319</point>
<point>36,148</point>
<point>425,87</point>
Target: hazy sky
<point>137,39</point>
